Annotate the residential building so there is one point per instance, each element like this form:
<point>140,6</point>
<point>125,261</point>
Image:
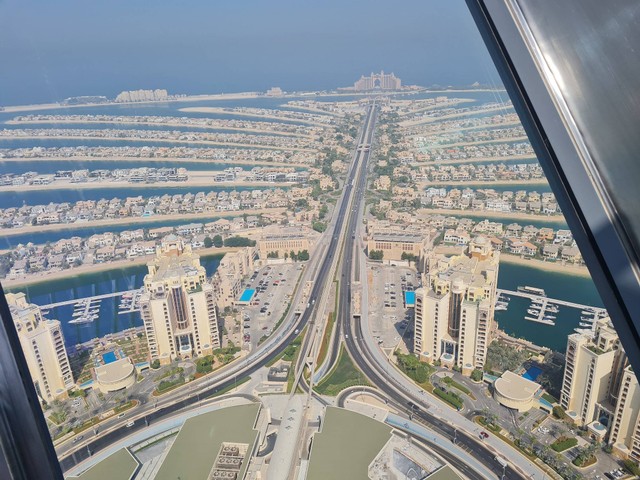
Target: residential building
<point>454,310</point>
<point>42,342</point>
<point>227,281</point>
<point>590,359</point>
<point>178,305</point>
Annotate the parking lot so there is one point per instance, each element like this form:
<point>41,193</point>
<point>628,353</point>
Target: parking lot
<point>388,315</point>
<point>273,286</point>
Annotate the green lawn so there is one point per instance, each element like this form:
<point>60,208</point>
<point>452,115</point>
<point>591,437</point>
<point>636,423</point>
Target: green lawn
<point>344,375</point>
<point>564,443</point>
<point>449,397</point>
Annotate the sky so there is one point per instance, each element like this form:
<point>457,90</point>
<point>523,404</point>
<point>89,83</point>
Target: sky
<point>53,50</point>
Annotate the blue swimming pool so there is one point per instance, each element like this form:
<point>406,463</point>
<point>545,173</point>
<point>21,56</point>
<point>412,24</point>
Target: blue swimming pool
<point>532,373</point>
<point>410,299</point>
<point>247,295</point>
<point>109,357</point>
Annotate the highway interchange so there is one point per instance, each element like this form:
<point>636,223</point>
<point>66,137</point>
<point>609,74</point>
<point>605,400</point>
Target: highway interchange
<point>342,236</point>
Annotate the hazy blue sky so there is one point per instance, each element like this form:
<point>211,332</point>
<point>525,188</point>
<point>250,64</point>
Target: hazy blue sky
<point>50,50</point>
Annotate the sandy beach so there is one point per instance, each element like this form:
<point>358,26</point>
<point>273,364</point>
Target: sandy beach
<point>159,140</point>
<point>186,98</point>
<point>224,111</point>
<point>99,267</point>
<point>557,267</point>
<point>476,213</point>
<point>410,123</point>
<point>196,179</point>
<point>156,124</point>
<point>177,160</point>
<point>481,183</point>
<point>135,222</point>
<point>512,158</point>
<point>522,138</point>
<point>448,104</point>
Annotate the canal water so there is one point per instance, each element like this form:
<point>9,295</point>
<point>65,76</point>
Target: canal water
<point>560,286</point>
<point>91,284</point>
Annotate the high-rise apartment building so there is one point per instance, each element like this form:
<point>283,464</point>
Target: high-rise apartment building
<point>624,434</point>
<point>178,304</point>
<point>42,342</point>
<point>454,310</point>
<point>600,389</point>
<point>588,372</point>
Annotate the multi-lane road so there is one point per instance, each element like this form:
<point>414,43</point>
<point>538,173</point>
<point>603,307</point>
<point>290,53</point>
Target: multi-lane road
<point>115,430</point>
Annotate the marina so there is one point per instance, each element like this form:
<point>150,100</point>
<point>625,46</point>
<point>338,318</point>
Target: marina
<point>87,309</point>
<point>542,307</point>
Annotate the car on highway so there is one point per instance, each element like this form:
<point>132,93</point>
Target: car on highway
<point>131,424</point>
<point>484,435</point>
<point>121,415</point>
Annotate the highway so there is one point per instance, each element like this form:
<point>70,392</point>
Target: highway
<point>350,331</point>
<point>112,431</point>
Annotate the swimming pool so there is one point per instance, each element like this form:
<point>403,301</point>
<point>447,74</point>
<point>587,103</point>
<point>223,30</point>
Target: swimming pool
<point>532,373</point>
<point>247,295</point>
<point>410,299</point>
<point>109,357</point>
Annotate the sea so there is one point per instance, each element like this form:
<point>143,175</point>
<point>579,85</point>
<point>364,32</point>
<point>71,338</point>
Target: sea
<point>557,285</point>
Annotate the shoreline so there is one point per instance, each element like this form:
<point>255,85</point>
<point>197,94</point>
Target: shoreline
<point>80,158</point>
<point>212,143</point>
<point>224,111</point>
<point>555,267</point>
<point>204,181</point>
<point>483,183</point>
<point>511,158</point>
<point>502,215</point>
<point>154,124</point>
<point>235,96</point>
<point>187,217</point>
<point>423,121</point>
<point>101,267</point>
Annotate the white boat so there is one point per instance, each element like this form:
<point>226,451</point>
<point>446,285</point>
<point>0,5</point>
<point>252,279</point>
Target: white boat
<point>584,324</point>
<point>587,331</point>
<point>549,317</point>
<point>588,312</point>
<point>78,313</point>
<point>532,290</point>
<point>531,311</point>
<point>500,307</point>
<point>505,298</point>
<point>552,308</point>
<point>81,320</point>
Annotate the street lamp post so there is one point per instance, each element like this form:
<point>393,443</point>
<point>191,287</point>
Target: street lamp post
<point>504,467</point>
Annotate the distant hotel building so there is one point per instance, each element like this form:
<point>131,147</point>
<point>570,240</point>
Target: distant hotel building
<point>178,305</point>
<point>43,346</point>
<point>375,81</point>
<point>600,390</point>
<point>454,310</point>
<point>142,96</point>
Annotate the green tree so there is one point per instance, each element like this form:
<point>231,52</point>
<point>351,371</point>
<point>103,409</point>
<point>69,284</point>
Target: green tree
<point>376,254</point>
<point>303,256</point>
<point>208,243</point>
<point>239,242</point>
<point>293,256</point>
<point>217,241</point>
<point>319,226</point>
